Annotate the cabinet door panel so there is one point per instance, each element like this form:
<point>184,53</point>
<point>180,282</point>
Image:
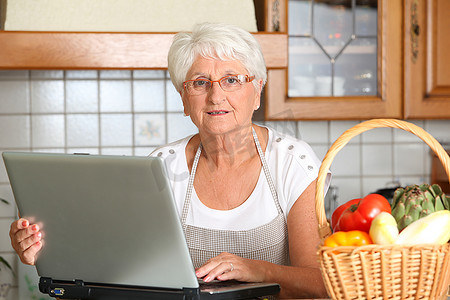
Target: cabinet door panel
<point>427,63</point>
<point>383,100</point>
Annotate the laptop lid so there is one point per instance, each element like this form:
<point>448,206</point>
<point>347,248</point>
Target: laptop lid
<point>104,219</point>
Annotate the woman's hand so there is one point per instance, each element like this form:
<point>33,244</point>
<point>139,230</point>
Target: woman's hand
<point>26,240</point>
<point>228,266</point>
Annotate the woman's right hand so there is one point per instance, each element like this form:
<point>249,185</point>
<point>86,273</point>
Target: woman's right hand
<point>26,240</point>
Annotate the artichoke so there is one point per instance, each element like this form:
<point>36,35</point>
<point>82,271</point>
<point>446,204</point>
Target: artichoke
<point>417,201</point>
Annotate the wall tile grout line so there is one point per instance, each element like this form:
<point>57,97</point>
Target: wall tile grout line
<point>65,111</point>
<point>98,113</point>
<point>166,115</point>
<point>133,116</point>
<point>30,109</point>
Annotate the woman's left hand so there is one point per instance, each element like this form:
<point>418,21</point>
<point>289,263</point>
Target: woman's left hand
<point>227,266</point>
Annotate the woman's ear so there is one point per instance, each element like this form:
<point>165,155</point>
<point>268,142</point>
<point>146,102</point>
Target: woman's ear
<point>185,110</point>
<point>258,95</point>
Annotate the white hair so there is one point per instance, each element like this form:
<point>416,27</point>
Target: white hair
<point>216,41</point>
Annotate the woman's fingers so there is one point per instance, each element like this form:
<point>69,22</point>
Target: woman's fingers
<point>18,225</point>
<point>29,255</point>
<point>26,240</point>
<point>216,267</point>
<point>228,266</point>
<point>221,269</point>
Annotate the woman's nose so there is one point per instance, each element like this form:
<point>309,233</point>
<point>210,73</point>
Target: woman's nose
<point>216,94</point>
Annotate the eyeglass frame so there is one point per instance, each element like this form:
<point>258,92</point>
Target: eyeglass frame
<point>247,79</point>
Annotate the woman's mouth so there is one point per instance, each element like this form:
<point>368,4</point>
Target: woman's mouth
<point>217,112</point>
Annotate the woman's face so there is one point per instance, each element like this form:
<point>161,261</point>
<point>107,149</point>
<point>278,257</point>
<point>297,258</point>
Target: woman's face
<point>217,111</point>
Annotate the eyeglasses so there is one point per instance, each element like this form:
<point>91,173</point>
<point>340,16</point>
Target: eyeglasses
<point>230,83</point>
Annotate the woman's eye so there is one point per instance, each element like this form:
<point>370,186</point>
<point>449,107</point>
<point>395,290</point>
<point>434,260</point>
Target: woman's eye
<point>232,80</point>
<point>199,83</point>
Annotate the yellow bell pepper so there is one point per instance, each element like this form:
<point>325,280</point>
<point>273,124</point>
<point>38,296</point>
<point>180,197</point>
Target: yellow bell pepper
<point>348,238</point>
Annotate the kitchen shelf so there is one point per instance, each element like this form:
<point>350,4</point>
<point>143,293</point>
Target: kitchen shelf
<point>88,50</point>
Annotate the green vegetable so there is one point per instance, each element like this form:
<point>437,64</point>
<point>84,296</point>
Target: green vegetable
<point>417,201</point>
<point>383,229</point>
<point>432,229</point>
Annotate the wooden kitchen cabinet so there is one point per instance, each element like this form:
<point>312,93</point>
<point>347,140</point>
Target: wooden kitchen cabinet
<point>87,50</point>
<point>427,59</point>
<point>386,103</point>
<point>413,70</point>
<point>100,50</point>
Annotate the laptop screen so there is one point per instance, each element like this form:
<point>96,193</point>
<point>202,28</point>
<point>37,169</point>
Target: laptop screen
<point>105,219</point>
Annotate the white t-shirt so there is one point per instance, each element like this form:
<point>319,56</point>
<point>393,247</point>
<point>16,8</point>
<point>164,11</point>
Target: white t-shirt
<point>293,166</point>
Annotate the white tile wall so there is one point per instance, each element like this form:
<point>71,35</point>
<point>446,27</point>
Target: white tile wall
<point>149,129</point>
<point>81,96</point>
<point>15,97</point>
<point>439,129</point>
<point>179,126</point>
<point>314,132</point>
<point>47,96</point>
<point>115,74</point>
<point>5,245</point>
<point>116,130</point>
<point>82,130</point>
<point>115,96</point>
<point>173,100</point>
<point>145,90</point>
<point>47,131</point>
<point>83,74</point>
<point>377,159</point>
<point>6,210</point>
<point>378,135</point>
<point>132,112</point>
<point>339,127</point>
<point>347,162</point>
<point>14,131</point>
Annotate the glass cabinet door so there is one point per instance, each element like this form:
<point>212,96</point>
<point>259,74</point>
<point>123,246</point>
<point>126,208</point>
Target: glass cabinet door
<point>332,48</point>
<point>345,60</point>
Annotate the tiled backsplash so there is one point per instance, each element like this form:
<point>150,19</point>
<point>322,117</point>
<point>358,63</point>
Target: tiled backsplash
<point>132,112</point>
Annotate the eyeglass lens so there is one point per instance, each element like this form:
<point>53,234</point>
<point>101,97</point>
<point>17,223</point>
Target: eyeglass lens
<point>227,83</point>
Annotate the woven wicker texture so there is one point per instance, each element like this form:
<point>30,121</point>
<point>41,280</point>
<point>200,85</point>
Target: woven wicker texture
<point>375,271</point>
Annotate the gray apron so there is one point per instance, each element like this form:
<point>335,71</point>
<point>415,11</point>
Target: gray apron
<point>267,242</point>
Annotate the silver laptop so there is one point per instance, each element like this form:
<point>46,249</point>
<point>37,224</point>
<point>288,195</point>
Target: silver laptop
<point>110,227</point>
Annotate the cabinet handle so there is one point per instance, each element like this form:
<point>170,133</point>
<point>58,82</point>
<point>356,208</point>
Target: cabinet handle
<point>414,31</point>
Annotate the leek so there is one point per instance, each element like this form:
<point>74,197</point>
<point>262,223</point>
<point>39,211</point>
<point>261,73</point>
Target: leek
<point>432,229</point>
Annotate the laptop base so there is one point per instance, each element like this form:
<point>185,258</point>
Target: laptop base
<point>80,290</point>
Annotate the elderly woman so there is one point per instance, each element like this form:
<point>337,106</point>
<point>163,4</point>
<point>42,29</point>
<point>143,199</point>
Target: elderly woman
<point>245,193</point>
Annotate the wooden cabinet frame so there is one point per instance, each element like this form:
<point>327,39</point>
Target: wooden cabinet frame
<point>427,82</point>
<point>76,50</point>
<point>390,81</point>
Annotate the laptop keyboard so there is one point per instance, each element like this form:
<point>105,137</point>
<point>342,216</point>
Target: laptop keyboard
<point>218,284</point>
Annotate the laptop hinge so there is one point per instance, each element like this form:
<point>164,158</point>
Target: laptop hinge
<point>44,283</point>
<point>79,282</point>
<point>191,293</point>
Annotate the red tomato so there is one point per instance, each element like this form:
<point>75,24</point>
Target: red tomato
<point>338,212</point>
<point>359,216</point>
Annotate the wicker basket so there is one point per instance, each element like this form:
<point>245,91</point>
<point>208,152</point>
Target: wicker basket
<point>375,271</point>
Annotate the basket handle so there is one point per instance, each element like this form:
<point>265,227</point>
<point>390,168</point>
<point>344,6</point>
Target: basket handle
<point>324,226</point>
